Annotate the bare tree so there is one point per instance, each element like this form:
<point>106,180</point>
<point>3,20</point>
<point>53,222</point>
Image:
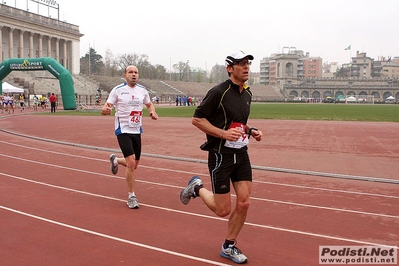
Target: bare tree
<point>126,60</point>
<point>160,72</point>
<point>218,74</point>
<point>183,70</point>
<point>147,71</point>
<point>110,67</point>
<point>114,65</point>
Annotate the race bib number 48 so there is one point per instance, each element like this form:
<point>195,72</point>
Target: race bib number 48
<point>135,120</point>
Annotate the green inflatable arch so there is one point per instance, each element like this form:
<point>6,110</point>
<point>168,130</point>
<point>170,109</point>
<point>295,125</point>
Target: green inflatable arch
<point>44,63</point>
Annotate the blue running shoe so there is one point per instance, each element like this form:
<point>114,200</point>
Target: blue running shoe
<point>188,192</point>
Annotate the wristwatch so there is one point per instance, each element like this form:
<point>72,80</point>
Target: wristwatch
<point>250,130</point>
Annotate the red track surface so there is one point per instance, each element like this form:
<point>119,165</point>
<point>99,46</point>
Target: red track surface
<point>60,205</point>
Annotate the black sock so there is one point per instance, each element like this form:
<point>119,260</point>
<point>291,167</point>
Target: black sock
<point>227,243</point>
<point>196,189</point>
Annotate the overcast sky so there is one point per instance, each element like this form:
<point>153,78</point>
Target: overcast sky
<point>204,32</point>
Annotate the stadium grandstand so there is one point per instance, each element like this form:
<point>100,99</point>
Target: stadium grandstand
<point>167,88</point>
<point>87,88</point>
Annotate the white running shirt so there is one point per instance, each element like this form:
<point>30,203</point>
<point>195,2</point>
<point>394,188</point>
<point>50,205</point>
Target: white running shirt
<point>129,103</point>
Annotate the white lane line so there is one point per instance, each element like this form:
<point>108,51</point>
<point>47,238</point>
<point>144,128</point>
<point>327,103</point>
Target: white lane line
<point>328,189</point>
<point>205,174</point>
<point>113,237</point>
<point>204,216</point>
<point>50,151</point>
<point>254,167</point>
<point>326,208</point>
<point>252,198</point>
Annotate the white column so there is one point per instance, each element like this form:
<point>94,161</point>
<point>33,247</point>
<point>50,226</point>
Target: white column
<point>1,43</point>
<point>57,49</point>
<point>65,54</point>
<point>49,46</point>
<point>40,54</point>
<point>31,50</point>
<point>21,43</point>
<point>11,43</point>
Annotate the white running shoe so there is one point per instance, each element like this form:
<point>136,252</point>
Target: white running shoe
<point>133,203</point>
<point>233,253</point>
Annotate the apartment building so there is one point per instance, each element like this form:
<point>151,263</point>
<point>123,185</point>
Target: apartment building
<point>285,67</point>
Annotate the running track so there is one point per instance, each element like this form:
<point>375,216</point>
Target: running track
<point>60,205</point>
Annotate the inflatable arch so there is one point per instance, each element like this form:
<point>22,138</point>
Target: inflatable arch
<point>44,63</point>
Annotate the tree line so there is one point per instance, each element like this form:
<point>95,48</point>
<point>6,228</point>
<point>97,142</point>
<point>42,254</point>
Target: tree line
<point>113,66</point>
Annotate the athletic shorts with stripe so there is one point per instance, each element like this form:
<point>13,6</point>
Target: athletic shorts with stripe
<point>226,167</point>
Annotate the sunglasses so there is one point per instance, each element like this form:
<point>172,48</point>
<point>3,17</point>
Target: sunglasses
<point>243,63</point>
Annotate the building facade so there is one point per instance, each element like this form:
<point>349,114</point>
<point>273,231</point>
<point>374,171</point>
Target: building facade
<point>27,35</point>
<point>390,68</point>
<point>285,68</point>
<point>300,76</point>
<point>321,88</point>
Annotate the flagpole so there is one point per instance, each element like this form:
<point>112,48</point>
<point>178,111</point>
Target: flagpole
<point>350,55</point>
<point>350,61</point>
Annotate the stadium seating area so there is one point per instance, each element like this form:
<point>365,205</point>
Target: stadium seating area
<point>266,92</point>
<point>169,87</point>
<point>42,82</point>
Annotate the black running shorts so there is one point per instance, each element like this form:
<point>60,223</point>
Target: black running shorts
<point>130,144</point>
<point>226,167</point>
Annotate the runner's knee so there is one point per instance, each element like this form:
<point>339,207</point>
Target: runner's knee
<point>243,205</point>
<point>223,212</point>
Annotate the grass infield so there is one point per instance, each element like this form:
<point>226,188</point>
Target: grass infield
<point>286,111</point>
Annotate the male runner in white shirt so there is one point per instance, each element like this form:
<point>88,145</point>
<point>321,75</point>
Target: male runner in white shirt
<point>129,99</point>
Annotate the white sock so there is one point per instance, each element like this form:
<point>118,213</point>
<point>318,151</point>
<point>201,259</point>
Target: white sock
<point>116,161</point>
<point>131,194</point>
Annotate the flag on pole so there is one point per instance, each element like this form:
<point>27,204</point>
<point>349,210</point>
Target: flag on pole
<point>348,48</point>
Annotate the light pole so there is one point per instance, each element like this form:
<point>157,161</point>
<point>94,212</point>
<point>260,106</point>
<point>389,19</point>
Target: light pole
<point>49,4</point>
<point>89,59</point>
